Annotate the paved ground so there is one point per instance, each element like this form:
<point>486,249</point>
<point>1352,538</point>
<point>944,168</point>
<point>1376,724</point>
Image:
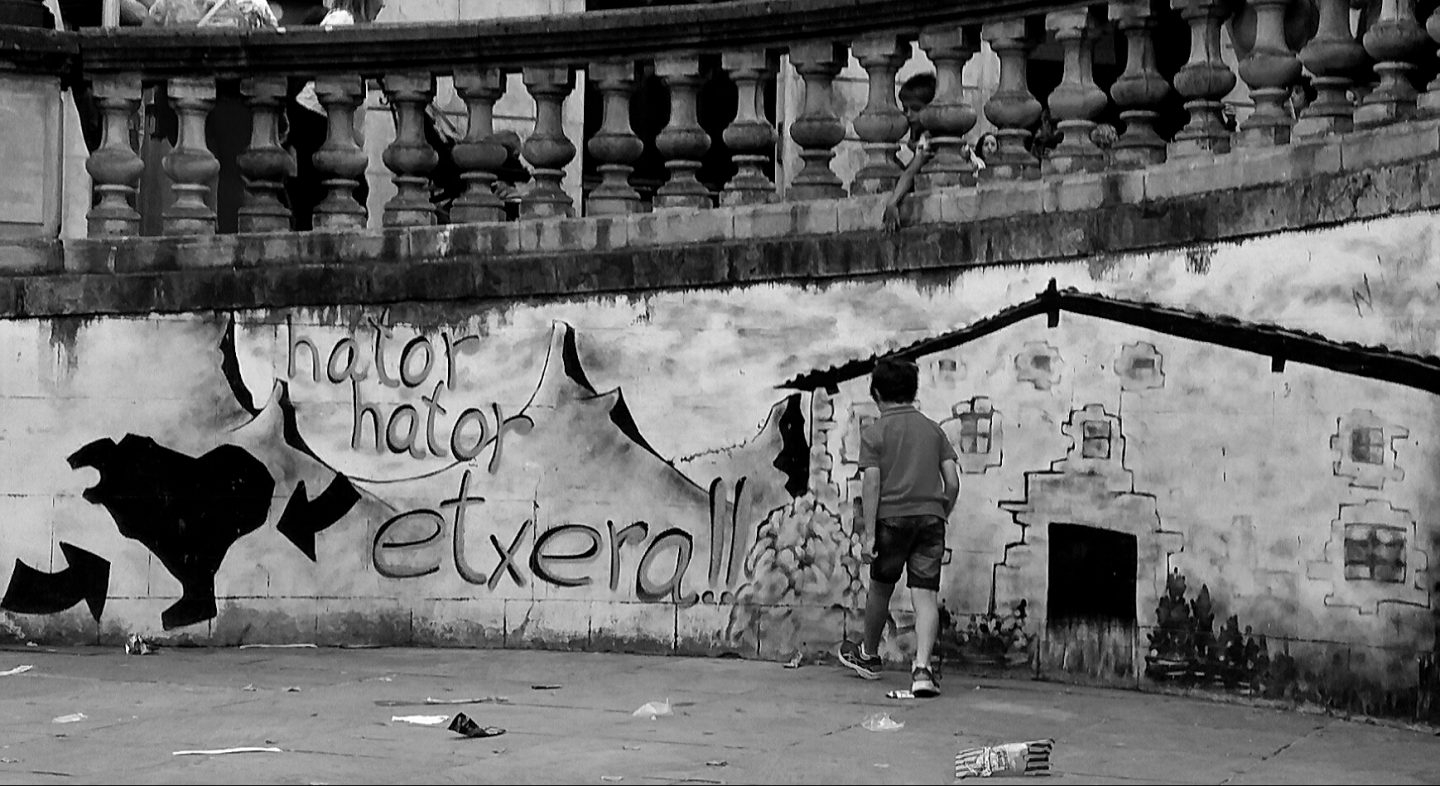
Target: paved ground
<point>330,712</point>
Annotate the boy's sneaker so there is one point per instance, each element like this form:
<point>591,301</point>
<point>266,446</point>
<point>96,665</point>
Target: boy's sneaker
<point>867,666</point>
<point>922,683</point>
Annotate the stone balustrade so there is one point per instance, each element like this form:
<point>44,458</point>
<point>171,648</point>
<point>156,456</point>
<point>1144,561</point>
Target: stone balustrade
<point>1367,68</point>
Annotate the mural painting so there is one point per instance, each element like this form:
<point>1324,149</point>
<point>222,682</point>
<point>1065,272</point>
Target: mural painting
<point>1168,478</point>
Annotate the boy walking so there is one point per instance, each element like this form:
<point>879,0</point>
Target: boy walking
<point>908,488</point>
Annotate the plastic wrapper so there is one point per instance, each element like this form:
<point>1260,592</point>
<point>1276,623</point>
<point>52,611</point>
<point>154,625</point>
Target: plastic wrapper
<point>1007,759</point>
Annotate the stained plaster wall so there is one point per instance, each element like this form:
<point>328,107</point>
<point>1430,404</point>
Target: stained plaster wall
<point>636,419</point>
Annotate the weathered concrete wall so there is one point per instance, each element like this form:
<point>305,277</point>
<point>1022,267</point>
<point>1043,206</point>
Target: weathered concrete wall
<point>626,471</point>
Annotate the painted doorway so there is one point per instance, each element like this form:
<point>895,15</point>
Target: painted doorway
<point>1090,604</point>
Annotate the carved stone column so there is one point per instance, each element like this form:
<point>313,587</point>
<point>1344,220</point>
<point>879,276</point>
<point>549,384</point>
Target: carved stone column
<point>1333,56</point>
<point>881,124</point>
<point>410,158</point>
<point>265,164</point>
<point>1397,42</point>
<point>682,141</point>
<point>190,164</point>
<point>1076,101</point>
<point>751,136</point>
<point>1012,108</point>
<point>615,145</point>
<point>1140,89</point>
<point>1429,103</point>
<point>114,166</point>
<point>1203,80</point>
<point>818,128</point>
<point>949,116</point>
<point>478,156</point>
<point>341,161</point>
<point>548,149</point>
<point>1269,70</point>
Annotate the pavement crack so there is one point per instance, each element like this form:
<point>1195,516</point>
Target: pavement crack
<point>1307,735</point>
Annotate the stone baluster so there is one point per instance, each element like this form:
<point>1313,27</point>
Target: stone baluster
<point>682,142</point>
<point>1334,57</point>
<point>1076,101</point>
<point>1429,103</point>
<point>409,157</point>
<point>340,160</point>
<point>1269,70</point>
<point>478,156</point>
<point>1204,80</point>
<point>1141,89</point>
<point>751,136</point>
<point>1012,108</point>
<point>114,166</point>
<point>881,124</point>
<point>1397,42</point>
<point>615,145</point>
<point>818,129</point>
<point>265,164</point>
<point>949,116</point>
<point>190,164</point>
<point>548,149</point>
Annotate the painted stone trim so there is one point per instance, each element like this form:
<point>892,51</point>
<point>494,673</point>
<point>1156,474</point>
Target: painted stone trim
<point>1039,364</point>
<point>1372,558</point>
<point>977,432</point>
<point>1366,450</point>
<point>1140,367</point>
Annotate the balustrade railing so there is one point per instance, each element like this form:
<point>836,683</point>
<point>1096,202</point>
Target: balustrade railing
<point>1367,66</point>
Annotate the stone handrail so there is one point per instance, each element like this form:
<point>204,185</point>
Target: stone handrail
<point>1360,73</point>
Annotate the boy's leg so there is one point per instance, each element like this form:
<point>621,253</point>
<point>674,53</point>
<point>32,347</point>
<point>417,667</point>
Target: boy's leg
<point>877,612</point>
<point>927,622</point>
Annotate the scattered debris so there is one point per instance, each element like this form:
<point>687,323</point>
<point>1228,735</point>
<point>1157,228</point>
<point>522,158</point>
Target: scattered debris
<point>249,687</point>
<point>293,689</point>
<point>277,646</point>
<point>796,662</point>
<point>432,702</point>
<point>71,718</point>
<point>223,751</point>
<point>900,693</point>
<point>386,678</point>
<point>31,644</point>
<point>612,778</point>
<point>16,670</point>
<point>8,760</point>
<point>653,709</point>
<point>462,724</point>
<point>717,763</point>
<point>631,747</point>
<point>1007,759</point>
<point>420,720</point>
<point>544,686</point>
<point>137,645</point>
<point>881,721</point>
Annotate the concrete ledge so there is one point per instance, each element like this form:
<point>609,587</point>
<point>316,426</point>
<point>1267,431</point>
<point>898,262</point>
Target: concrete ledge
<point>1358,176</point>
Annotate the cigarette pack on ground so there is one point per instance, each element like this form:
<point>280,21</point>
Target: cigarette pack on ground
<point>1011,758</point>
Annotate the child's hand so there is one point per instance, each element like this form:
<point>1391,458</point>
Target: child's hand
<point>890,220</point>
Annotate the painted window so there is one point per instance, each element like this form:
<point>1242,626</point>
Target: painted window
<point>1040,362</point>
<point>1367,445</point>
<point>1375,552</point>
<point>975,432</point>
<point>1096,440</point>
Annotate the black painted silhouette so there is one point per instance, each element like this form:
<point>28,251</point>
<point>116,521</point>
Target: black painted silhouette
<point>187,511</point>
<point>303,517</point>
<point>86,577</point>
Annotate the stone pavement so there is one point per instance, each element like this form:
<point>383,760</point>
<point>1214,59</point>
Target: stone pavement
<point>330,711</point>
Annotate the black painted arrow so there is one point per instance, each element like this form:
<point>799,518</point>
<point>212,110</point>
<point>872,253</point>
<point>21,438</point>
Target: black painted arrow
<point>303,518</point>
<point>86,578</point>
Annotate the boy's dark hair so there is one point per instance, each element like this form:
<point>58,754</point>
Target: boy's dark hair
<point>895,380</point>
<point>921,86</point>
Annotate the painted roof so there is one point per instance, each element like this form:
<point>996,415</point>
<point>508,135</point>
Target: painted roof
<point>1281,345</point>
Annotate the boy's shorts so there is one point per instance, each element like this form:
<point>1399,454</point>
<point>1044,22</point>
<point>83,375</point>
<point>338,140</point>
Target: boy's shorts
<point>915,544</point>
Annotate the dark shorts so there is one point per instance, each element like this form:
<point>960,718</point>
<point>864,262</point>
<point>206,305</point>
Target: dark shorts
<point>914,544</point>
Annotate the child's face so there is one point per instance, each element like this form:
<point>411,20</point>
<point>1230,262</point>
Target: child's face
<point>988,145</point>
<point>912,106</point>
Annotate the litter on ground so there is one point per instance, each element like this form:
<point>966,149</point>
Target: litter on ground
<point>420,720</point>
<point>223,751</point>
<point>16,670</point>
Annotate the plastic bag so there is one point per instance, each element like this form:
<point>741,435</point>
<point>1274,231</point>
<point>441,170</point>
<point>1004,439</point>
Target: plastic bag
<point>881,721</point>
<point>1008,759</point>
<point>653,709</point>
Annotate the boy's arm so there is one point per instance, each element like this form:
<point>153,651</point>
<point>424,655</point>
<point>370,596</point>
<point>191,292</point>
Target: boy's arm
<point>951,476</point>
<point>891,218</point>
<point>869,504</point>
